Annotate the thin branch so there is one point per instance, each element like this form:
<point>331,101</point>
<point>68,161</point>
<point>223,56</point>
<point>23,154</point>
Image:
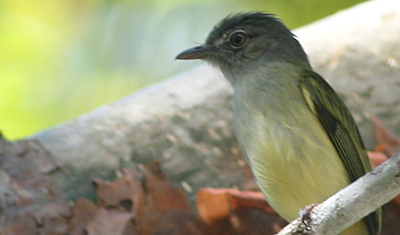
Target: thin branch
<point>354,202</point>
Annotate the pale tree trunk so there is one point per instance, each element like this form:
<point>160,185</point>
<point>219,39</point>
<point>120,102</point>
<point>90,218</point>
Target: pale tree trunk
<point>185,121</point>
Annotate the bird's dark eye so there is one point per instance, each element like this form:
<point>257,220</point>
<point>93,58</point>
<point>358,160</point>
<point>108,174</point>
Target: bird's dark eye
<point>237,38</point>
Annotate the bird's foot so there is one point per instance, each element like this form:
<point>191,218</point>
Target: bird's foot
<point>305,215</point>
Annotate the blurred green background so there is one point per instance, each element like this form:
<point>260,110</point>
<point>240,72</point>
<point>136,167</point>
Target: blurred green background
<point>60,59</point>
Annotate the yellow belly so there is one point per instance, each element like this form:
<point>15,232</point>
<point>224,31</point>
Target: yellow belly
<point>292,178</point>
<point>297,168</point>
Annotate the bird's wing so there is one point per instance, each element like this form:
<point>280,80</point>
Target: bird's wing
<point>341,128</point>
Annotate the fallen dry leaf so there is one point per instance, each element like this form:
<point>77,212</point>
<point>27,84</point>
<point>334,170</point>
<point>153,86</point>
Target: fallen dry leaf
<point>230,211</point>
<point>155,198</point>
<point>388,143</point>
<point>117,194</point>
<point>376,158</point>
<point>111,222</point>
<point>216,204</point>
<point>83,211</point>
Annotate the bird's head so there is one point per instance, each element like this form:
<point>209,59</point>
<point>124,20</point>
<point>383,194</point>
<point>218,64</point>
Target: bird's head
<point>245,40</point>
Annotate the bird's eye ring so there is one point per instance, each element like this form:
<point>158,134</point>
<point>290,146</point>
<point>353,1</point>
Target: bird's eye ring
<point>237,39</point>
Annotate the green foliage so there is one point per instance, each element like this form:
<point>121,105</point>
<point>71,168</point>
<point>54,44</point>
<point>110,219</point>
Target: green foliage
<point>60,59</point>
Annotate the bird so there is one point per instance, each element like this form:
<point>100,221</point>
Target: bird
<point>297,134</point>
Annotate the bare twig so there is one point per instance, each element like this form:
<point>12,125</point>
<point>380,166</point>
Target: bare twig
<point>354,202</point>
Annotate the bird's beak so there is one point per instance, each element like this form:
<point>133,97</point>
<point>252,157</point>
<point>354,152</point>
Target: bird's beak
<point>198,52</point>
